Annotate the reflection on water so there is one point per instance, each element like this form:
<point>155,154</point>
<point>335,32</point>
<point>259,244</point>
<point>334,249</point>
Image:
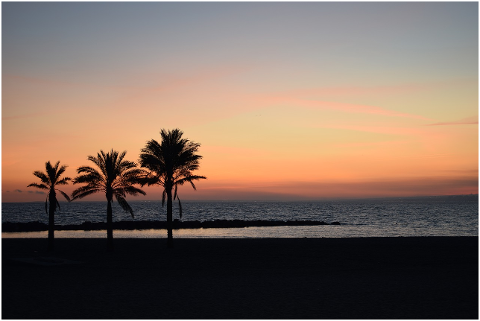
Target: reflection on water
<point>319,231</point>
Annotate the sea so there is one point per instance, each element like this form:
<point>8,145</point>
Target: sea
<point>381,217</point>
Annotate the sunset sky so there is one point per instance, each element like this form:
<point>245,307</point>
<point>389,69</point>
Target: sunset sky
<point>289,100</point>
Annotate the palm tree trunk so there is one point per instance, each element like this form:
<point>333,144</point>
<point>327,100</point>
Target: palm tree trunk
<point>109,226</point>
<point>51,220</point>
<point>169,219</point>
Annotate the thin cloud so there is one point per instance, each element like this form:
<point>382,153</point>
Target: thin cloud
<point>36,192</point>
<point>388,187</point>
<point>402,131</point>
<point>420,186</point>
<point>465,121</point>
<point>382,144</point>
<point>360,90</point>
<point>349,108</point>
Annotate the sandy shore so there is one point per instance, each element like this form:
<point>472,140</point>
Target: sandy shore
<point>401,278</point>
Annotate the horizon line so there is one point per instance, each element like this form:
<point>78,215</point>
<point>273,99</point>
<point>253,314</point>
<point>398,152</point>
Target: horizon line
<point>347,198</point>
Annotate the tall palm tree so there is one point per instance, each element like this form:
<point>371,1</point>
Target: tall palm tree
<point>115,177</point>
<point>49,181</point>
<point>170,164</point>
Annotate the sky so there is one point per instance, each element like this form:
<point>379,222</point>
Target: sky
<point>289,101</point>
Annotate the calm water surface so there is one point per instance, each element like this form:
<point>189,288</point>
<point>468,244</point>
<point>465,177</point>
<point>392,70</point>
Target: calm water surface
<point>394,217</point>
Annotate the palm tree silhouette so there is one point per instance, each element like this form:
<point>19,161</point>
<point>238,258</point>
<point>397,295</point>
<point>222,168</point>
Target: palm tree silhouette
<point>49,181</point>
<point>115,178</point>
<point>170,164</point>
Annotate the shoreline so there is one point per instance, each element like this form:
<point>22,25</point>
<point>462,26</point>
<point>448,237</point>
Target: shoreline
<point>147,225</point>
<point>287,232</point>
<point>398,278</point>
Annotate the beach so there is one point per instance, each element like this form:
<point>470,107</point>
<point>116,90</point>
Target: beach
<point>387,278</point>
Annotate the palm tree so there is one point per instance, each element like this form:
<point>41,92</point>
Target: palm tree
<point>115,177</point>
<point>170,164</point>
<point>49,181</point>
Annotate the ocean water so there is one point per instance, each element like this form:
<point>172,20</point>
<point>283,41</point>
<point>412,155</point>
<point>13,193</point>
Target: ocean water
<point>390,217</point>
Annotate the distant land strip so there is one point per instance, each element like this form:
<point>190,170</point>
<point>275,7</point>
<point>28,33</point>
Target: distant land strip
<point>146,225</point>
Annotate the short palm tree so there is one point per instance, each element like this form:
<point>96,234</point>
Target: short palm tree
<point>49,181</point>
<point>170,164</point>
<point>115,177</point>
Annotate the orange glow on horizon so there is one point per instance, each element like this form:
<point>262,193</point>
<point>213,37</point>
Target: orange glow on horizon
<point>281,111</point>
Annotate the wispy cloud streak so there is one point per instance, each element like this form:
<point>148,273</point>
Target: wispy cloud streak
<point>342,91</point>
<point>465,121</point>
<point>343,107</point>
<point>402,131</point>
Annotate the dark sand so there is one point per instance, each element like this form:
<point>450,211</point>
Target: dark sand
<point>400,278</point>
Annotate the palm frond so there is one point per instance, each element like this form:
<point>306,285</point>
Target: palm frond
<point>84,191</point>
<point>149,180</point>
<point>124,204</point>
<point>63,181</point>
<point>151,157</point>
<point>132,190</point>
<point>43,177</point>
<point>64,195</point>
<point>120,191</point>
<point>111,165</point>
<point>128,169</point>
<point>87,169</point>
<point>93,177</point>
<point>180,206</point>
<point>51,172</point>
<point>99,161</point>
<point>134,172</point>
<point>41,186</point>
<point>60,171</point>
<point>190,179</point>
<point>152,147</point>
<point>164,196</point>
<point>89,176</point>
